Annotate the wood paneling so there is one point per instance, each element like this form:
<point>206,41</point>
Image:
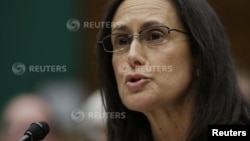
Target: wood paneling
<point>235,16</point>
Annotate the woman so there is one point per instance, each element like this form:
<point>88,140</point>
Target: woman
<point>198,88</point>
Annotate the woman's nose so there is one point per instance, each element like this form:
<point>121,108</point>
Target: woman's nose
<point>136,54</point>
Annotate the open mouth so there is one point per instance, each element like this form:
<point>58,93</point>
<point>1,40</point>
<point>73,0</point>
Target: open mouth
<point>134,80</point>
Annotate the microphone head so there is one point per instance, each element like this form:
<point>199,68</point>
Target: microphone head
<point>38,130</point>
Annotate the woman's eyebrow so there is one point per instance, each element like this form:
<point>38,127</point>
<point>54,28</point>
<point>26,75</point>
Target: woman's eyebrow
<point>144,25</point>
<point>150,24</point>
<point>120,27</point>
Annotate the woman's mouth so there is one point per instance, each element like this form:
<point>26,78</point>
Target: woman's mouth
<point>136,80</point>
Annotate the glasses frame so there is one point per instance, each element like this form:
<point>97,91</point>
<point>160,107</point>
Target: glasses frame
<point>139,35</point>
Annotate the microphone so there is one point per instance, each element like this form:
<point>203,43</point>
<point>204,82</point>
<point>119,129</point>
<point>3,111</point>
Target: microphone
<point>37,131</point>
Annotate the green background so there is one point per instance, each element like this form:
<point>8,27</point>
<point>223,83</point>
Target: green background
<point>35,33</point>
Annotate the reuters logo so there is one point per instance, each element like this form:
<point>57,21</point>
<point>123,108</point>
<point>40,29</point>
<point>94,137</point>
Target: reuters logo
<point>18,68</point>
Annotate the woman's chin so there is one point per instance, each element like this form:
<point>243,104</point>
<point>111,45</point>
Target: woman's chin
<point>140,102</point>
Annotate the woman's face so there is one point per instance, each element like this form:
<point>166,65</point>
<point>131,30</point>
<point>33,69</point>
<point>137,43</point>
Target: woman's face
<point>151,76</point>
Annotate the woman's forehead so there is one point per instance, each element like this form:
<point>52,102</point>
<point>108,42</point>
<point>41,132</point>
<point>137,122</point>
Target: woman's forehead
<point>138,12</point>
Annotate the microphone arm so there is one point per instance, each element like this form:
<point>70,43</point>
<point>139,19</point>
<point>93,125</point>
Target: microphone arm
<point>26,138</point>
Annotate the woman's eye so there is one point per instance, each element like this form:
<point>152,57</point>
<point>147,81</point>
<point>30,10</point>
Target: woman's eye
<point>119,40</point>
<point>154,36</point>
<point>122,41</point>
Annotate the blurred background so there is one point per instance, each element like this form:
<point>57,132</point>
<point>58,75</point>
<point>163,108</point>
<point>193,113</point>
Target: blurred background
<point>50,37</point>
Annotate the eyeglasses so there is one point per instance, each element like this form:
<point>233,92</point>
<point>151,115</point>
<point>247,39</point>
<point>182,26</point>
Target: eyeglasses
<point>151,37</point>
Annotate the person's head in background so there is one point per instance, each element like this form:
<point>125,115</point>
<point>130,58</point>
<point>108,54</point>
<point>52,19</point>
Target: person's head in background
<point>176,105</point>
<point>21,112</point>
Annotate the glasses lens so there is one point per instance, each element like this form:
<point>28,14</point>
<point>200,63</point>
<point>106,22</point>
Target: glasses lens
<point>120,41</point>
<point>116,42</point>
<point>155,35</point>
<point>107,44</point>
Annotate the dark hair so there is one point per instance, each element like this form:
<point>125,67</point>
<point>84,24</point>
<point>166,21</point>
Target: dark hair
<point>219,100</point>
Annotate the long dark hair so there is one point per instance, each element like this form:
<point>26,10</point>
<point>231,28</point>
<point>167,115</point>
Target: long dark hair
<point>219,100</point>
